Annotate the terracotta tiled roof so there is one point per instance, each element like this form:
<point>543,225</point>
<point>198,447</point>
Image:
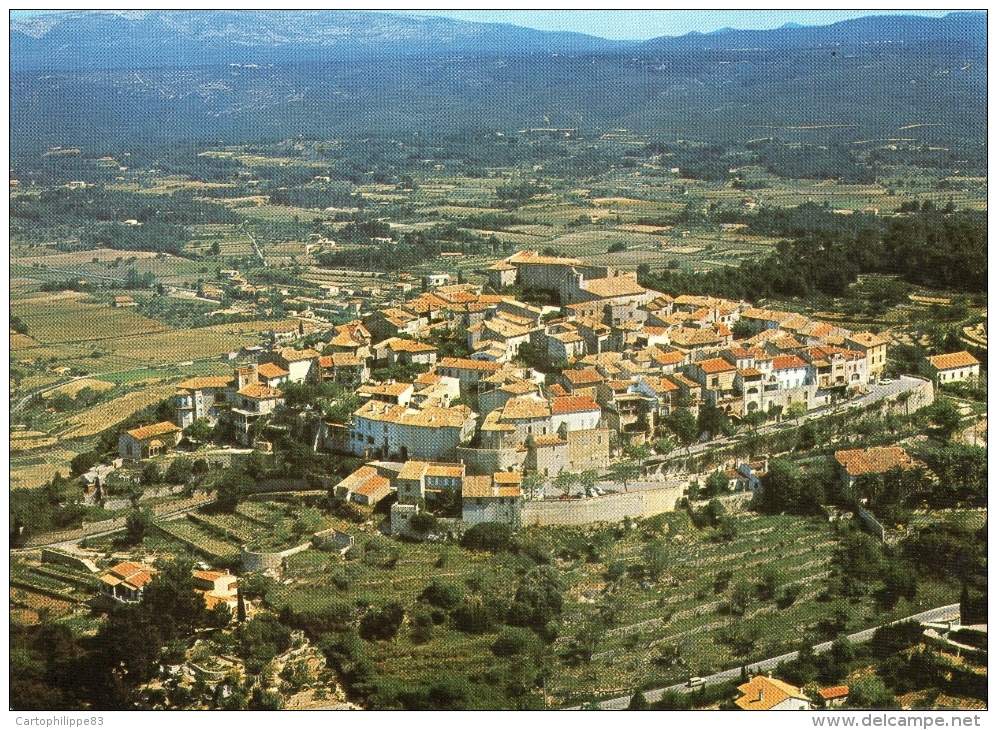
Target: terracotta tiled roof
<point>358,478</point>
<point>132,574</point>
<point>259,391</point>
<point>485,486</point>
<point>516,408</point>
<point>661,385</point>
<point>670,358</point>
<point>467,364</point>
<point>211,575</point>
<point>764,693</point>
<point>156,429</point>
<point>787,362</point>
<point>833,693</point>
<point>953,360</point>
<point>389,389</point>
<point>270,370</point>
<point>548,440</point>
<point>400,344</point>
<point>339,359</point>
<point>558,390</point>
<point>875,460</point>
<point>444,470</point>
<point>617,286</point>
<point>866,339</point>
<point>586,376</point>
<point>574,404</point>
<point>688,336</point>
<point>291,355</point>
<point>767,315</point>
<point>714,365</point>
<point>521,387</point>
<point>372,485</point>
<point>532,257</point>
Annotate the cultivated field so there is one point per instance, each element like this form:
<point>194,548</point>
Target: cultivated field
<point>63,318</point>
<point>36,468</point>
<point>103,416</point>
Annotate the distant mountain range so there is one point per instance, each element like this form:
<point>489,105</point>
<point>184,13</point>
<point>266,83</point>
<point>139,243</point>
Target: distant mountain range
<point>116,77</point>
<point>82,40</point>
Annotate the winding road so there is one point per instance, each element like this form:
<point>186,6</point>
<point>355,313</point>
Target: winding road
<point>942,613</point>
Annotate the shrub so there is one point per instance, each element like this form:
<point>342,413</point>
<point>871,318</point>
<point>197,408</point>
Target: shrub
<point>512,641</point>
<point>492,536</point>
<point>443,595</point>
<point>381,624</point>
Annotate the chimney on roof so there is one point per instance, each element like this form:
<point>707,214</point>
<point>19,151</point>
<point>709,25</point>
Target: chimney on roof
<point>760,694</point>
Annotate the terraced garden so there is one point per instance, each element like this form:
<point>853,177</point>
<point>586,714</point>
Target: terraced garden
<point>682,613</point>
<point>49,587</point>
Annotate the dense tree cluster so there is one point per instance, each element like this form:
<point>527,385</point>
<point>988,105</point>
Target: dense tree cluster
<point>826,255</point>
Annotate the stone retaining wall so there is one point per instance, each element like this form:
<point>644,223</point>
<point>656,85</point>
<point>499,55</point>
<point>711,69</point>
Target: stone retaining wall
<point>608,508</point>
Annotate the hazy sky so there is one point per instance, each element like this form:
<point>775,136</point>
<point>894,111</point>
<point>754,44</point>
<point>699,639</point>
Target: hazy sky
<point>643,24</point>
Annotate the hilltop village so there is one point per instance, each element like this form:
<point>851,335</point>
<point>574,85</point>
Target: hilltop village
<point>542,390</point>
<point>556,396</point>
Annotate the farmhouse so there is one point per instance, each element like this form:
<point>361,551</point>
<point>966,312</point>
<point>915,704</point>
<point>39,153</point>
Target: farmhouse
<point>766,693</point>
<point>148,441</point>
<point>954,367</point>
<point>218,587</point>
<point>126,582</point>
<point>854,463</point>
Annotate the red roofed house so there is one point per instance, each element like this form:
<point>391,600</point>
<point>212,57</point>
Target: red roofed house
<point>197,398</point>
<point>584,381</point>
<point>467,371</point>
<point>365,486</point>
<point>716,375</point>
<point>788,371</point>
<point>874,348</point>
<point>399,349</point>
<point>575,412</point>
<point>148,441</point>
<point>766,693</point>
<point>218,587</point>
<point>126,582</point>
<point>834,696</point>
<point>251,403</point>
<point>271,374</point>
<point>301,365</point>
<point>344,368</point>
<point>855,463</point>
<point>493,498</point>
<point>954,367</point>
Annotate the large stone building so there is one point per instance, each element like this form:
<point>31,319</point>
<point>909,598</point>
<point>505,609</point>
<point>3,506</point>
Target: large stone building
<point>148,441</point>
<point>394,431</point>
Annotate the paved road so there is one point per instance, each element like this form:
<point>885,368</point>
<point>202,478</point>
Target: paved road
<point>117,524</point>
<point>877,392</point>
<point>942,613</point>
